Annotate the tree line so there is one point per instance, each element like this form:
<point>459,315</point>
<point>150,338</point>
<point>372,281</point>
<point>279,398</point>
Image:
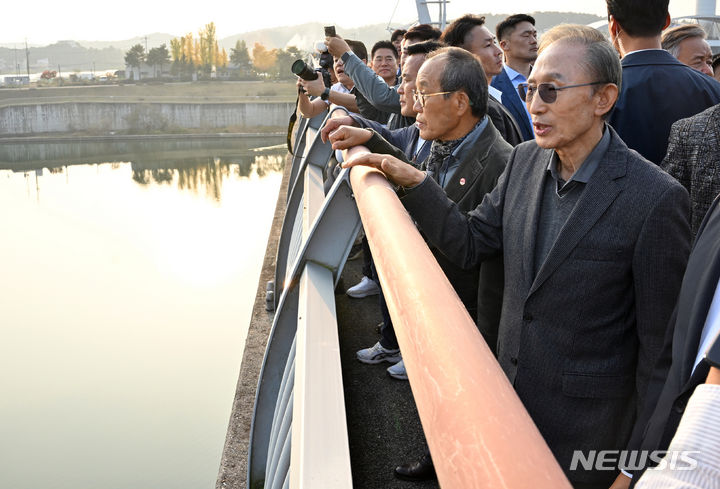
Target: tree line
<point>202,56</point>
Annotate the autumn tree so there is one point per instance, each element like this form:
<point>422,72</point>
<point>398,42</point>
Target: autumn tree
<point>176,49</point>
<point>263,58</point>
<point>208,47</point>
<point>221,58</point>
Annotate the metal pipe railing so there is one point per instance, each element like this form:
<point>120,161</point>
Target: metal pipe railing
<point>479,433</point>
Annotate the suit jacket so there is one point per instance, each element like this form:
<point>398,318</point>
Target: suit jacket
<point>656,91</point>
<point>692,158</point>
<point>478,173</point>
<point>504,122</point>
<point>674,380</point>
<point>579,339</point>
<point>511,100</point>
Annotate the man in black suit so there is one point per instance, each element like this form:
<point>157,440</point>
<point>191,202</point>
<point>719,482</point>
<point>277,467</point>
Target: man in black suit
<point>595,240</point>
<point>470,33</point>
<point>518,40</point>
<point>694,323</point>
<point>657,89</point>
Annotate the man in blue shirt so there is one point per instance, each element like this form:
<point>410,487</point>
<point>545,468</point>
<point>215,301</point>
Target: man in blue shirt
<point>518,40</point>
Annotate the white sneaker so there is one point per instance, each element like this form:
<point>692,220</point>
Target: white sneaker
<point>365,288</point>
<point>398,371</point>
<point>377,353</point>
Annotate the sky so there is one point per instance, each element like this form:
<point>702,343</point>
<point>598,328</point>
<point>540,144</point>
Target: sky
<point>46,21</point>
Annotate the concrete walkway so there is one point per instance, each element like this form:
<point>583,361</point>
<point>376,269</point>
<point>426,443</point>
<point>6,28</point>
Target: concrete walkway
<point>383,424</point>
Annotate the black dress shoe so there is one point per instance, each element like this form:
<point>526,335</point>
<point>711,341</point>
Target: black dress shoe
<point>422,470</point>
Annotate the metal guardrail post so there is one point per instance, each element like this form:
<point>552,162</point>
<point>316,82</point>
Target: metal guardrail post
<point>318,233</point>
<point>478,431</point>
<point>323,457</point>
<point>316,155</point>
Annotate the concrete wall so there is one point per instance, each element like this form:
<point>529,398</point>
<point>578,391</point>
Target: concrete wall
<point>138,117</point>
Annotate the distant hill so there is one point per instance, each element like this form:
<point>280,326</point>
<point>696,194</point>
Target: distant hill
<point>153,40</point>
<point>70,56</point>
<point>109,55</point>
<point>305,35</point>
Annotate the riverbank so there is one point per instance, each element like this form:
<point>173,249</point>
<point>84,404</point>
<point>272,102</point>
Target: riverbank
<point>106,118</point>
<point>80,137</point>
<point>199,92</point>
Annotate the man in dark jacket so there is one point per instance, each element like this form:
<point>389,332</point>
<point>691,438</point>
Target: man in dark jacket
<point>466,158</point>
<point>657,89</point>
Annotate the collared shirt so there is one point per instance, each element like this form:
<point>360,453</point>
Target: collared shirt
<point>452,162</point>
<point>517,78</point>
<point>711,329</point>
<point>560,197</point>
<point>494,92</point>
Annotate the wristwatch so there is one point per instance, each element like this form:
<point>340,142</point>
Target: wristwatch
<point>325,95</point>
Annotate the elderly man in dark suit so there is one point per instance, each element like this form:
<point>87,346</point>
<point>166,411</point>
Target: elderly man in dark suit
<point>657,89</point>
<point>467,156</point>
<point>595,240</point>
<point>693,156</point>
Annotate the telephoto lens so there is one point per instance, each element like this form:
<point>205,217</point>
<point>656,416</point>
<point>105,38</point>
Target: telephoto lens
<point>301,69</point>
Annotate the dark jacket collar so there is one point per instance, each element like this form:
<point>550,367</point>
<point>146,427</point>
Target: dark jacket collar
<point>650,57</point>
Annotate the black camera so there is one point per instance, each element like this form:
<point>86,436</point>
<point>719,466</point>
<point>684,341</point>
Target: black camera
<point>301,69</point>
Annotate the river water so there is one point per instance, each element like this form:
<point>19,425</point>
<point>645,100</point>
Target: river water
<point>128,273</point>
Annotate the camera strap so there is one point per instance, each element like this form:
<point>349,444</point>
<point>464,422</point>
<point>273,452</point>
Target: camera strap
<point>291,125</point>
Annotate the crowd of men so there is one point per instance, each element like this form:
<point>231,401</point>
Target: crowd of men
<point>568,188</point>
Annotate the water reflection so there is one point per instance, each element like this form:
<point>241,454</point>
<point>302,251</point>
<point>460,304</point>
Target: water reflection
<point>196,165</point>
<point>205,176</point>
<point>125,294</point>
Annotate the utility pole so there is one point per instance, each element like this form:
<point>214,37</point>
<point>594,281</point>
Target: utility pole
<point>27,59</point>
<point>146,46</point>
<point>17,65</point>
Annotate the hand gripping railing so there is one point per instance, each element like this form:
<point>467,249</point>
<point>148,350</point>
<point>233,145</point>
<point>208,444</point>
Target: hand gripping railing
<point>298,436</point>
<point>479,433</point>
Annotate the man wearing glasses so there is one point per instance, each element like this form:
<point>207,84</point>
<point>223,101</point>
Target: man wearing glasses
<point>466,156</point>
<point>595,240</point>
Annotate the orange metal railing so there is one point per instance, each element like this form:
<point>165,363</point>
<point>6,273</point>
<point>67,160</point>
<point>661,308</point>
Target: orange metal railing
<point>479,433</point>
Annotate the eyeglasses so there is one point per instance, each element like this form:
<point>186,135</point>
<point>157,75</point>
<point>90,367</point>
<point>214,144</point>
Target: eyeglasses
<point>420,97</point>
<point>547,91</point>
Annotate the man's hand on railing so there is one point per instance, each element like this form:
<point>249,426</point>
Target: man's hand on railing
<point>333,123</point>
<point>345,137</point>
<point>397,171</point>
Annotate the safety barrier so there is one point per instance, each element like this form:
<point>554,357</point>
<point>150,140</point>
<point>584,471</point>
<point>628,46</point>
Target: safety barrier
<point>477,429</point>
<point>298,436</point>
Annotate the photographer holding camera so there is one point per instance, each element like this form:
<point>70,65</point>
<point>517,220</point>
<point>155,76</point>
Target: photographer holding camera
<point>338,94</point>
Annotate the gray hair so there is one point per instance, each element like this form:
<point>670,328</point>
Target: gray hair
<point>601,61</point>
<point>672,38</point>
<point>463,71</point>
